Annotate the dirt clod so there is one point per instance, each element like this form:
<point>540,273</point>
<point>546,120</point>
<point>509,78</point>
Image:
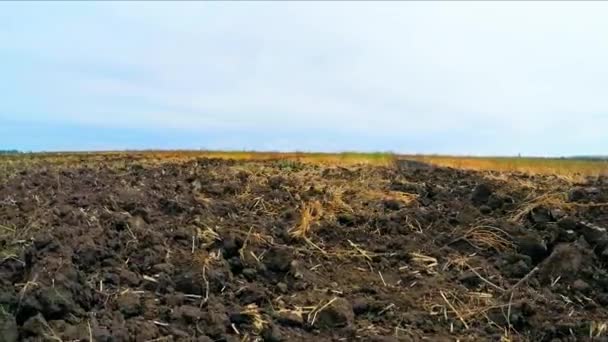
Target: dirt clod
<point>581,285</point>
<point>481,194</point>
<point>8,328</point>
<point>338,314</point>
<point>189,313</point>
<point>35,326</point>
<point>278,260</point>
<point>129,304</point>
<point>565,261</point>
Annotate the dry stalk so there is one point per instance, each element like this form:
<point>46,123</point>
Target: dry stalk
<point>597,329</point>
<point>555,200</point>
<point>336,202</point>
<point>318,309</point>
<point>404,197</point>
<point>521,281</point>
<point>488,237</point>
<point>242,249</point>
<point>363,252</point>
<point>208,236</point>
<point>454,310</point>
<point>465,306</point>
<point>485,280</point>
<point>258,321</point>
<point>460,262</point>
<point>309,213</point>
<point>424,260</point>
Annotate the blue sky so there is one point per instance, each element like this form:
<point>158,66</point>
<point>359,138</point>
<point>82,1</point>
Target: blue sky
<point>481,78</point>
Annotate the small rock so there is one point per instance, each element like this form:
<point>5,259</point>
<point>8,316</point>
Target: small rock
<point>338,314</point>
<point>581,286</point>
<point>481,194</point>
<point>129,304</point>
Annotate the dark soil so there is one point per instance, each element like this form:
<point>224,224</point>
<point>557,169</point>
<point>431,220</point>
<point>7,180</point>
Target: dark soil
<point>206,250</point>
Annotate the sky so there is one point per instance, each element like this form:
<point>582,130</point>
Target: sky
<point>465,78</point>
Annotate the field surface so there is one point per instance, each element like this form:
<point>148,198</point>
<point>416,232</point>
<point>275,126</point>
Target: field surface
<point>147,247</point>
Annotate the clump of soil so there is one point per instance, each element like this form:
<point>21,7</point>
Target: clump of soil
<point>218,250</point>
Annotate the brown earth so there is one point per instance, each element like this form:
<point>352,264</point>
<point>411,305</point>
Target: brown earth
<point>219,250</point>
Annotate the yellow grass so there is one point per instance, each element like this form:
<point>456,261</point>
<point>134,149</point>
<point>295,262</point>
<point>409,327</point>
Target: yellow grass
<point>546,166</point>
<point>569,168</point>
<point>63,158</point>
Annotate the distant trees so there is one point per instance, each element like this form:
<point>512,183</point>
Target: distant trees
<point>2,152</point>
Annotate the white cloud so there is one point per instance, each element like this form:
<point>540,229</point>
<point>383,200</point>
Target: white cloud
<point>524,71</point>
